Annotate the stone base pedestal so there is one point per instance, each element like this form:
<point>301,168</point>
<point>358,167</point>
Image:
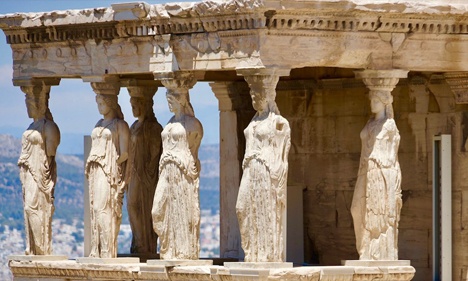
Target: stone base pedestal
<point>31,258</point>
<point>89,260</point>
<point>202,270</point>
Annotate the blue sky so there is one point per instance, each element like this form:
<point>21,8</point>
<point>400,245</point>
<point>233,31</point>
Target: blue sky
<point>72,102</point>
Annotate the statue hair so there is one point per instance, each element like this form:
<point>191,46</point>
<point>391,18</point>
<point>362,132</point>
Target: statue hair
<point>387,99</point>
<point>147,104</point>
<point>184,99</point>
<point>41,101</point>
<point>113,102</point>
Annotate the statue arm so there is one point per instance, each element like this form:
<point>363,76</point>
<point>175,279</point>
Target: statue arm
<point>124,137</point>
<point>195,136</point>
<point>52,138</point>
<point>284,143</point>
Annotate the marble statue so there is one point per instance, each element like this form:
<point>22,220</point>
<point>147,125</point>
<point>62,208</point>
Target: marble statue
<point>105,170</point>
<point>377,196</point>
<point>38,173</point>
<point>261,202</point>
<point>176,206</point>
<point>144,154</point>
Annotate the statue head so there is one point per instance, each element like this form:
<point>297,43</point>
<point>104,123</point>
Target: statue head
<point>264,100</point>
<point>37,102</point>
<point>109,103</point>
<point>179,102</point>
<point>381,101</point>
<point>142,107</point>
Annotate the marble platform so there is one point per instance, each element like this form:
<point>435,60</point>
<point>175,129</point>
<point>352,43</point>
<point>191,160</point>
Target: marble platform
<point>70,270</point>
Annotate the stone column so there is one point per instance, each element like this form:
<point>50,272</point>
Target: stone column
<point>176,205</point>
<point>38,169</point>
<point>235,113</point>
<point>107,171</point>
<point>377,199</point>
<point>261,202</point>
<point>143,166</point>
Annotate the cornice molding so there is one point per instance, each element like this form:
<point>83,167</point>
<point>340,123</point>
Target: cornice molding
<point>201,17</point>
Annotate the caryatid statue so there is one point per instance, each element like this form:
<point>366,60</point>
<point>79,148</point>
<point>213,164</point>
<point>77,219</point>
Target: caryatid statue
<point>105,170</point>
<point>38,170</point>
<point>377,199</point>
<point>176,206</point>
<point>144,153</point>
<point>261,203</point>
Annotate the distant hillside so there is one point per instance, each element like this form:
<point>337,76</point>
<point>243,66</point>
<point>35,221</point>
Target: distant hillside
<point>69,189</point>
<point>68,192</point>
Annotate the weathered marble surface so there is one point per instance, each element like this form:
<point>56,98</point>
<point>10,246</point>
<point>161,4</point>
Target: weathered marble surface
<point>377,201</point>
<point>38,170</point>
<point>261,203</point>
<point>105,170</point>
<point>176,206</point>
<point>144,153</point>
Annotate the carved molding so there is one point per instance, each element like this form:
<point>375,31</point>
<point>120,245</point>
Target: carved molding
<point>399,23</point>
<point>136,20</point>
<point>75,32</point>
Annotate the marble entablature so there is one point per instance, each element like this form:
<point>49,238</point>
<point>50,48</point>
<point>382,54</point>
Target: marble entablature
<point>213,36</point>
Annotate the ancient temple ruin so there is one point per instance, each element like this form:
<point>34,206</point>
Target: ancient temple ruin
<point>323,58</point>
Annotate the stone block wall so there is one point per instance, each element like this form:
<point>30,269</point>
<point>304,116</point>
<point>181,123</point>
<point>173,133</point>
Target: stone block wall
<point>326,119</point>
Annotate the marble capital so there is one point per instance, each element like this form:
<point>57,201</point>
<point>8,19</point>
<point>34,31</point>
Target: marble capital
<point>104,85</point>
<point>262,80</point>
<point>140,88</point>
<point>381,80</point>
<point>38,87</point>
<point>179,80</point>
<point>35,90</point>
